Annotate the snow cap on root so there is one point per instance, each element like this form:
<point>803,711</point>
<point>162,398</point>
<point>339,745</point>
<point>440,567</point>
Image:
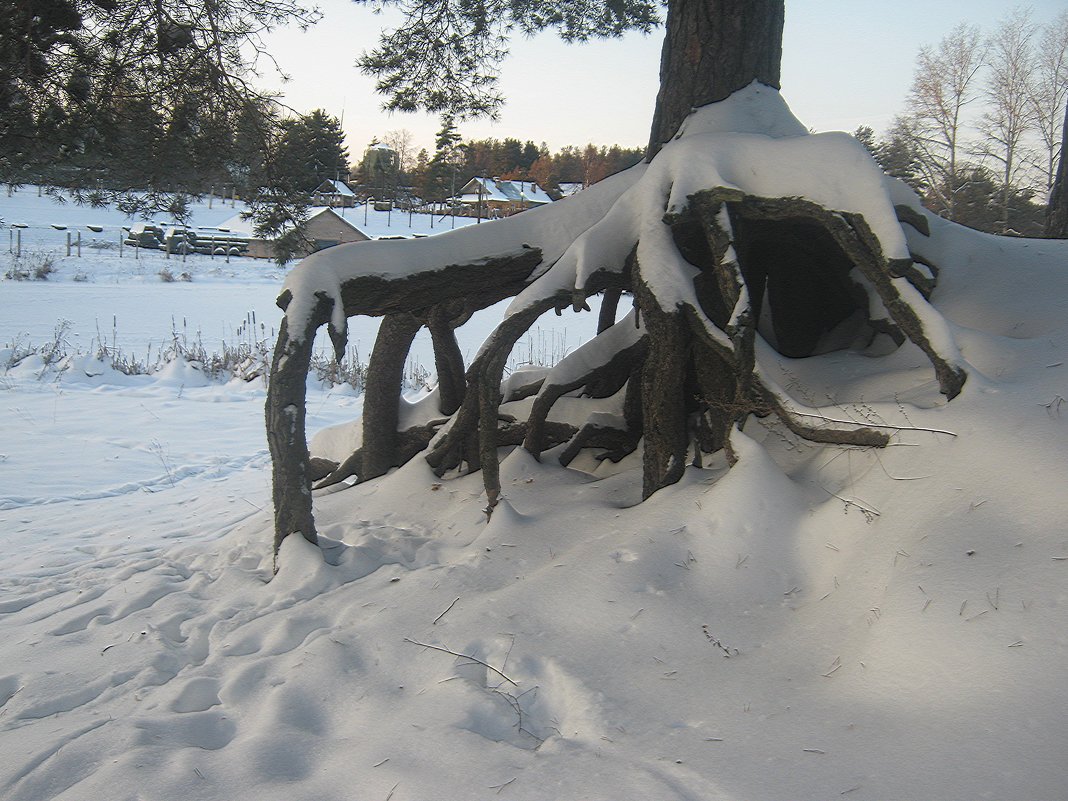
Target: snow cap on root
<point>751,143</point>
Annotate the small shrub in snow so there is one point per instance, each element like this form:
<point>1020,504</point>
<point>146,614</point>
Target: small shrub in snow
<point>15,352</point>
<point>44,268</point>
<point>167,277</point>
<point>32,267</point>
<point>246,359</point>
<point>52,354</point>
<point>327,370</point>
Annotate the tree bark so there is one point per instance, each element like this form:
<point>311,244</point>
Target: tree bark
<point>663,396</point>
<point>713,48</point>
<point>448,361</point>
<point>385,380</point>
<point>1057,211</point>
<point>286,412</point>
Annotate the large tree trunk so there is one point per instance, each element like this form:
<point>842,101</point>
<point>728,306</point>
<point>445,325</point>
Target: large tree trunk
<point>1057,212</point>
<point>713,48</point>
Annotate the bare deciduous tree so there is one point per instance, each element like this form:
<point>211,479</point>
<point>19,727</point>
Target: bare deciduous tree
<point>402,142</point>
<point>1010,111</point>
<point>1049,93</point>
<point>943,85</point>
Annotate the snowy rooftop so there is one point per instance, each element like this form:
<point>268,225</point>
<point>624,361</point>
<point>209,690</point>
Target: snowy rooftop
<point>335,187</point>
<point>497,190</point>
<point>238,224</point>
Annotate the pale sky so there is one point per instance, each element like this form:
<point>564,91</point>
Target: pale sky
<point>846,63</point>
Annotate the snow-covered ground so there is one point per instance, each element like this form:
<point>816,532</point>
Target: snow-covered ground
<point>117,295</point>
<point>816,623</point>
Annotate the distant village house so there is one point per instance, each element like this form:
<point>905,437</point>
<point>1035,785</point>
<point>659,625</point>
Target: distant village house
<point>503,197</point>
<point>325,228</point>
<point>334,194</point>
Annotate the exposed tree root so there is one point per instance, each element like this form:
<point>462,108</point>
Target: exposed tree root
<point>380,399</point>
<point>286,412</point>
<point>433,295</point>
<point>603,378</point>
<point>804,278</point>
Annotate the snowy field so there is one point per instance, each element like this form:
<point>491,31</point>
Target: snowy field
<point>112,434</point>
<point>117,295</point>
<point>816,623</point>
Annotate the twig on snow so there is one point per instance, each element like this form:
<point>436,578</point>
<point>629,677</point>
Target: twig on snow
<point>474,659</point>
<point>1053,408</point>
<point>876,425</point>
<point>893,477</point>
<point>499,787</point>
<point>439,617</point>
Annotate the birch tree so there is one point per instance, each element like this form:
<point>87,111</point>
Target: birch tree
<point>1010,113</point>
<point>1049,94</point>
<point>945,83</point>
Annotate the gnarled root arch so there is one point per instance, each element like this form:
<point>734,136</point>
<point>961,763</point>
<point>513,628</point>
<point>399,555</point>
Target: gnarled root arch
<point>714,283</point>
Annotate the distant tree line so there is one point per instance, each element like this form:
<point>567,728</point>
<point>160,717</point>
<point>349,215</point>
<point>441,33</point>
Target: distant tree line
<point>981,136</point>
<point>436,176</point>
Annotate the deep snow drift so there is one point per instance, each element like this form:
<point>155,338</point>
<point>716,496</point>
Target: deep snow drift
<point>816,623</point>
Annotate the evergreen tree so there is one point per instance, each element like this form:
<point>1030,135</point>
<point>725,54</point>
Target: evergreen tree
<point>379,170</point>
<point>446,161</point>
<point>420,176</point>
<point>302,152</point>
<point>444,58</point>
<point>137,94</point>
<point>311,149</point>
<point>897,155</point>
<point>529,155</point>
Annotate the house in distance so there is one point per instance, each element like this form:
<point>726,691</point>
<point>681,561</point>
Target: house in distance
<point>334,194</point>
<point>325,228</point>
<point>502,197</point>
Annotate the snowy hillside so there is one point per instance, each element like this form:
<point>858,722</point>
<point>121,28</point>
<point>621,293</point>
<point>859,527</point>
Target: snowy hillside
<point>816,623</point>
